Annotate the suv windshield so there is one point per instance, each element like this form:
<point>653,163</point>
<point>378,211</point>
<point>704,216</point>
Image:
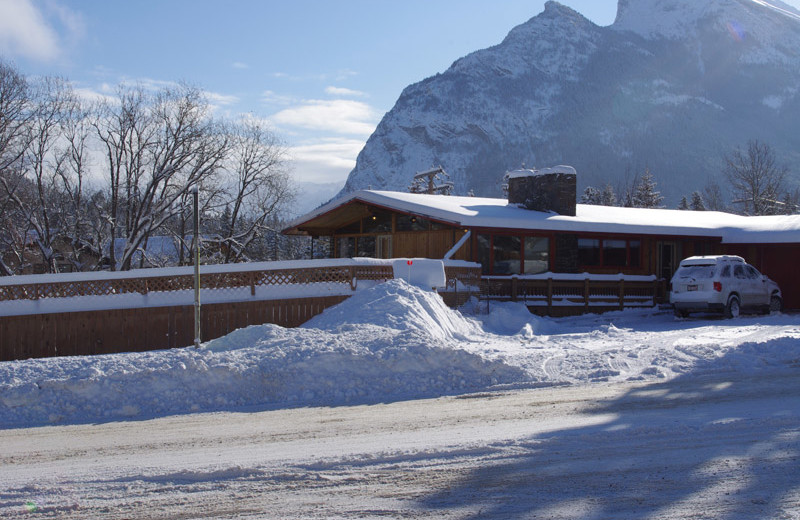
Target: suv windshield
<point>698,272</point>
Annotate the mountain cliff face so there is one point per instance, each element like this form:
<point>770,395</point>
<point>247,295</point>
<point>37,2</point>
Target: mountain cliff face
<point>672,85</point>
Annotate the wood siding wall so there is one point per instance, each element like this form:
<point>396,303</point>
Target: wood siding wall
<point>130,330</point>
<point>429,244</point>
<point>779,262</point>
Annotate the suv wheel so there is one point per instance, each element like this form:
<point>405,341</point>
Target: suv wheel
<point>732,308</point>
<point>775,303</point>
<point>680,313</point>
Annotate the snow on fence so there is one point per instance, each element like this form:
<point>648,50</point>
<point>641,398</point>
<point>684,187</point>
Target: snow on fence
<point>557,294</point>
<point>98,313</point>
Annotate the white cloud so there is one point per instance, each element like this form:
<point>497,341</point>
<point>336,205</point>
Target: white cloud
<point>25,32</point>
<point>340,91</point>
<point>220,100</point>
<point>272,98</point>
<point>239,65</point>
<point>103,95</point>
<point>72,22</point>
<point>148,84</point>
<point>340,116</point>
<point>328,160</point>
<point>344,74</point>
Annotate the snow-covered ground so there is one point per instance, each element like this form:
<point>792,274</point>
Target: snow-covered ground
<point>391,404</point>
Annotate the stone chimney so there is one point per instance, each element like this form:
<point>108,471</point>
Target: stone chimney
<point>550,189</point>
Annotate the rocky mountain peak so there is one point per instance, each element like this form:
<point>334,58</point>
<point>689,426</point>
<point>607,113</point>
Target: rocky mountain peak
<point>681,19</point>
<point>671,86</point>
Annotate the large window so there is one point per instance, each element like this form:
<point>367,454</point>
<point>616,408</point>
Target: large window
<point>595,252</point>
<point>588,251</point>
<point>485,253</point>
<point>615,252</point>
<point>378,222</point>
<point>537,255</point>
<point>634,253</point>
<point>412,223</point>
<point>507,254</point>
<point>512,254</point>
<point>350,229</point>
<point>346,247</point>
<point>366,246</point>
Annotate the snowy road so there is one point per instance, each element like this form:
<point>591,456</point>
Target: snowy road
<point>392,405</point>
<point>686,448</point>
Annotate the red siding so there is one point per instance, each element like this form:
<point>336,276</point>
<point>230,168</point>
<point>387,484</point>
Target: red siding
<point>778,261</point>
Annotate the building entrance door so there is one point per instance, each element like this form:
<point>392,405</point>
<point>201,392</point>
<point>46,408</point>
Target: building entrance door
<point>384,246</point>
<point>667,260</point>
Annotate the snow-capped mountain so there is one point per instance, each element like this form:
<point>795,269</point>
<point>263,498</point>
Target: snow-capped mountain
<point>672,85</point>
<point>311,195</point>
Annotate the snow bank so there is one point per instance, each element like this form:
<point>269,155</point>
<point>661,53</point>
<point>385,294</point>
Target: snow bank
<point>422,272</point>
<point>398,306</point>
<point>392,342</point>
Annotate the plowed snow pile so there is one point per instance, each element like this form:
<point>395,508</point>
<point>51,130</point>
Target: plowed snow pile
<point>391,342</point>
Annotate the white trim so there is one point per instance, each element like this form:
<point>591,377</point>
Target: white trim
<point>458,245</point>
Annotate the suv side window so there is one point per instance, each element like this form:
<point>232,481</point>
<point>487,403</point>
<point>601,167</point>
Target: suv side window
<point>738,272</point>
<point>751,272</point>
<point>726,272</point>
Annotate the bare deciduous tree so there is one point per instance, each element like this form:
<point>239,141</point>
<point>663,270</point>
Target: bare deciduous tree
<point>36,191</point>
<point>259,189</point>
<point>756,179</point>
<point>712,196</point>
<point>154,148</point>
<point>15,115</point>
<point>158,148</point>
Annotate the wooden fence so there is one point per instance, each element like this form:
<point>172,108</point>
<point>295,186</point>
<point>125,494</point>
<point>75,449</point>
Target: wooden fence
<point>147,327</point>
<point>247,302</point>
<point>566,297</point>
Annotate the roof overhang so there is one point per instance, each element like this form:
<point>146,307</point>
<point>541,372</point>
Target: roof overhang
<point>484,213</point>
<point>325,223</point>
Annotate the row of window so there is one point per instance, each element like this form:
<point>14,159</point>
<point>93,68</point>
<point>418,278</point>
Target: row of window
<point>365,246</point>
<point>509,254</point>
<point>381,222</point>
<point>600,252</point>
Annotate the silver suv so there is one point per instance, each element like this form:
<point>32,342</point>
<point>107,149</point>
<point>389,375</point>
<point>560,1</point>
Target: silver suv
<point>722,284</point>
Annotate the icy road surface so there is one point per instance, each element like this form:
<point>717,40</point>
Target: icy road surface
<point>687,448</point>
<point>392,405</point>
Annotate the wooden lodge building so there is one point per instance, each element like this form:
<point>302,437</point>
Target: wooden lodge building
<point>541,229</point>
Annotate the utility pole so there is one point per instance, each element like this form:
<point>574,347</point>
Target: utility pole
<point>196,242</point>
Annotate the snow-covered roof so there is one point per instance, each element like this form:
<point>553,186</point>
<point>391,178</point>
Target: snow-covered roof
<point>478,212</point>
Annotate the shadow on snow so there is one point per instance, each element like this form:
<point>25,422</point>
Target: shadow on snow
<point>699,447</point>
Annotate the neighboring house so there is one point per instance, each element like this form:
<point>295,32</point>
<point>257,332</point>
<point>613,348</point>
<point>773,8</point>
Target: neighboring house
<point>541,229</point>
<point>68,256</point>
<point>161,251</point>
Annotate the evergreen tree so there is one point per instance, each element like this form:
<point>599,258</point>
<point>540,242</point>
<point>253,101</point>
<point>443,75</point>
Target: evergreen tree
<point>591,195</point>
<point>697,203</point>
<point>597,197</point>
<point>645,195</point>
<point>683,204</point>
<point>608,197</point>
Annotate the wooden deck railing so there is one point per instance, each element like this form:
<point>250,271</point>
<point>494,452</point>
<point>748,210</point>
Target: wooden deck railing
<point>558,295</point>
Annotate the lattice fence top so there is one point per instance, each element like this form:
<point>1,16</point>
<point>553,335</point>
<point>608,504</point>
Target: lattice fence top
<point>220,281</point>
<point>234,280</point>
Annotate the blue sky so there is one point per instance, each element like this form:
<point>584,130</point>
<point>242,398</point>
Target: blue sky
<point>322,72</point>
